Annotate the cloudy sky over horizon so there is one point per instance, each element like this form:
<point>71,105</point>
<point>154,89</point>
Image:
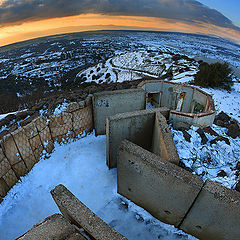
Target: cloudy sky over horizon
<point>25,19</point>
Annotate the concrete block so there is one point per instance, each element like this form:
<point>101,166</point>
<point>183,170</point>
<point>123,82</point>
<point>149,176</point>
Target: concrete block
<point>162,143</point>
<point>30,161</point>
<point>35,142</point>
<point>4,167</point>
<point>60,124</point>
<point>2,155</point>
<point>22,143</point>
<point>106,104</point>
<point>30,130</point>
<point>20,169</point>
<point>74,106</point>
<point>53,227</point>
<point>3,188</point>
<point>10,178</point>
<point>45,135</point>
<point>135,126</point>
<point>82,216</point>
<point>41,123</point>
<point>38,152</point>
<point>162,188</point>
<point>215,215</point>
<point>10,149</point>
<point>83,120</point>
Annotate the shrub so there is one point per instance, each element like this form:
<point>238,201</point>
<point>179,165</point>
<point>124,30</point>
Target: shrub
<point>214,75</point>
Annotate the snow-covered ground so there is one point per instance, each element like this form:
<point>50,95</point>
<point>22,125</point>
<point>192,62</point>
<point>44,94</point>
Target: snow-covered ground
<point>81,167</point>
<point>208,160</point>
<point>139,64</point>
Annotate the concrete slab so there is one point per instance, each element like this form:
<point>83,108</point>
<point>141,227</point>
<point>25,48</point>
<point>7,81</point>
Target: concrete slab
<point>53,227</point>
<point>215,214</point>
<point>73,209</point>
<point>135,126</point>
<point>162,142</point>
<point>109,103</point>
<point>162,188</point>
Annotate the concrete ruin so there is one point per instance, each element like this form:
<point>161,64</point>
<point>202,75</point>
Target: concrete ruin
<point>140,145</point>
<point>186,103</point>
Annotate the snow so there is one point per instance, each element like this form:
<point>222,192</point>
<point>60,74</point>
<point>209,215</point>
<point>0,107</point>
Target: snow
<point>81,167</point>
<point>5,114</point>
<point>60,108</point>
<point>208,160</point>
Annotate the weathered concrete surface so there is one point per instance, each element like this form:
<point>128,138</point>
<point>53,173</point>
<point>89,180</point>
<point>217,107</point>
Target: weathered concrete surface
<point>109,103</point>
<point>215,215</point>
<point>73,209</point>
<point>162,141</point>
<point>54,227</point>
<point>182,99</point>
<point>162,188</point>
<point>135,126</point>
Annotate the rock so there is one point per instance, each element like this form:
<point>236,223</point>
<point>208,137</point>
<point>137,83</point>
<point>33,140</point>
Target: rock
<point>237,188</point>
<point>220,123</point>
<point>238,166</point>
<point>181,126</point>
<point>222,173</point>
<point>222,116</point>
<point>187,136</point>
<point>233,130</point>
<point>210,131</point>
<point>202,135</point>
<point>220,138</point>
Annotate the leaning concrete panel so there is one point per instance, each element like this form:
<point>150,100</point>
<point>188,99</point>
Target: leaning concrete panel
<point>53,227</point>
<point>134,126</point>
<point>215,214</point>
<point>106,104</point>
<point>162,188</point>
<point>162,142</point>
<point>73,209</point>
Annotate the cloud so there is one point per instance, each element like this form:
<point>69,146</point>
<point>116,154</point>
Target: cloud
<point>189,11</point>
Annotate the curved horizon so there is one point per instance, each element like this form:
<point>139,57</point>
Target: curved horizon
<point>94,22</point>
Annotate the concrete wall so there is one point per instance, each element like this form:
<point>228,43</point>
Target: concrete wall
<point>134,126</point>
<point>162,141</point>
<point>162,188</point>
<point>79,214</point>
<point>21,150</point>
<point>173,195</point>
<point>215,215</point>
<point>181,100</point>
<point>110,103</point>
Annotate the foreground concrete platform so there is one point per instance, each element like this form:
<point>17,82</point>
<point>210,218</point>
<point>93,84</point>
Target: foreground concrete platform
<point>54,227</point>
<point>73,209</point>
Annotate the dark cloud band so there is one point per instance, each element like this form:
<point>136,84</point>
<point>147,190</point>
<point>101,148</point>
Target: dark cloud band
<point>190,11</point>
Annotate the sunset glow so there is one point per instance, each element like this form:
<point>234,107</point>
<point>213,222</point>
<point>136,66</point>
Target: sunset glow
<point>88,22</point>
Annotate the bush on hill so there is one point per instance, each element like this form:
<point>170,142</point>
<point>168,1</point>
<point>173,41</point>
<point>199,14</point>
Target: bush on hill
<point>214,75</point>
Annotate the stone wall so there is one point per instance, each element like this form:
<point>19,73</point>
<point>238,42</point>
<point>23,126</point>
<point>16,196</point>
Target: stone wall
<point>21,150</point>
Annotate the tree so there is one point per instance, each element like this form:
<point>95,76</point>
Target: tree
<point>214,75</point>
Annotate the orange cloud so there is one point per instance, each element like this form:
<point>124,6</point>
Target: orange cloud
<point>85,22</point>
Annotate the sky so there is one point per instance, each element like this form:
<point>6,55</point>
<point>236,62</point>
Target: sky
<point>26,19</point>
